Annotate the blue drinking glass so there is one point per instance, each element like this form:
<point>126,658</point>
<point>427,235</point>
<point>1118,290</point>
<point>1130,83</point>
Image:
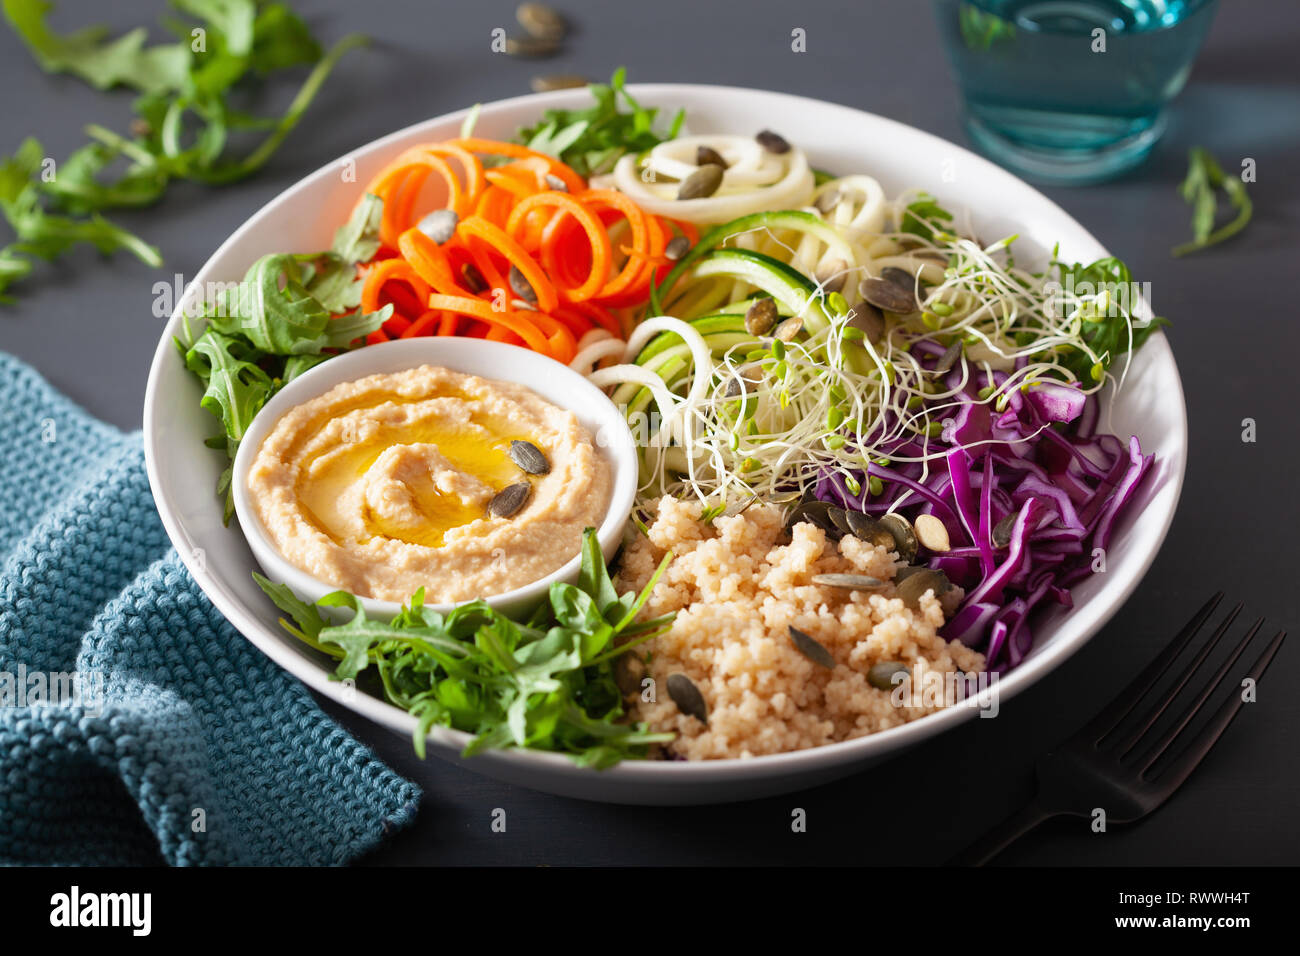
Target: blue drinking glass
<point>1070,91</point>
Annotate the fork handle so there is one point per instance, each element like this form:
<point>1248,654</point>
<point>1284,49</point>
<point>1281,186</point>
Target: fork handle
<point>1003,835</point>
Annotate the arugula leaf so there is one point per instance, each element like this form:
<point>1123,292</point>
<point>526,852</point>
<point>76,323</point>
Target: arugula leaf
<point>546,684</point>
<point>357,240</point>
<point>236,388</point>
<point>183,85</point>
<point>44,235</point>
<point>592,140</point>
<point>1107,330</point>
<point>277,320</point>
<point>232,19</point>
<point>281,40</point>
<point>923,216</point>
<point>288,314</point>
<point>309,620</point>
<point>101,63</point>
<point>1205,177</point>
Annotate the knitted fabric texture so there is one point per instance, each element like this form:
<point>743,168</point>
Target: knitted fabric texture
<point>183,743</point>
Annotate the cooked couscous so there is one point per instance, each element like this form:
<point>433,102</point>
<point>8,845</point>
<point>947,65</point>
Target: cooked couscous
<point>738,584</point>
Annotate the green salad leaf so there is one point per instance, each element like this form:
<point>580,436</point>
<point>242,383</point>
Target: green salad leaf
<point>1200,189</point>
<point>184,125</point>
<point>288,314</point>
<point>546,683</point>
<point>1110,331</point>
<point>922,217</point>
<point>101,62</point>
<point>43,235</point>
<point>592,140</point>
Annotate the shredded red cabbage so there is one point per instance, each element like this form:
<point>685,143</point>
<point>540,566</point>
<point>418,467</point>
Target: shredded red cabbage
<point>1039,461</point>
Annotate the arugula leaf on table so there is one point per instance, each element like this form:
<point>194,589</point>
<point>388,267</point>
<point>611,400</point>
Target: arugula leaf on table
<point>592,140</point>
<point>100,62</point>
<point>43,235</point>
<point>1200,189</point>
<point>184,120</point>
<point>547,683</point>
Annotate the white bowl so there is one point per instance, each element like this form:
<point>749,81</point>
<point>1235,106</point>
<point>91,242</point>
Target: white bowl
<point>554,382</point>
<point>182,473</point>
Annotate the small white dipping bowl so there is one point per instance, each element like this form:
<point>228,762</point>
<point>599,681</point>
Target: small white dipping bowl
<point>554,382</point>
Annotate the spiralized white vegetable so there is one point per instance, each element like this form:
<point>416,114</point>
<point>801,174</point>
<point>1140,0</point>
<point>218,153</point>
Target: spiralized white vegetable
<point>786,437</point>
<point>755,179</point>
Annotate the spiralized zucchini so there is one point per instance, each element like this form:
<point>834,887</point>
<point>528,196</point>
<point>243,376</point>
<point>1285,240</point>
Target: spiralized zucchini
<point>822,401</point>
<point>754,179</point>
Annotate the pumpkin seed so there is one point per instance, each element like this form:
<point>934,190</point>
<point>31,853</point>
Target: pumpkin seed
<point>915,585</point>
<point>509,499</point>
<point>556,183</point>
<point>529,457</point>
<point>948,359</point>
<point>522,305</point>
<point>930,531</point>
<point>761,316</point>
<point>881,674</point>
<point>870,320</point>
<point>530,47</point>
<point>900,277</point>
<point>811,648</point>
<point>815,513</point>
<point>828,201</point>
<point>788,329</point>
<point>904,537</point>
<point>687,697</point>
<point>833,276</point>
<point>440,225</point>
<point>520,285</point>
<point>1002,531</point>
<point>541,21</point>
<point>557,81</point>
<point>473,278</point>
<point>702,183</point>
<point>868,530</point>
<point>628,671</point>
<point>848,582</point>
<point>707,155</point>
<point>903,573</point>
<point>886,295</point>
<point>677,247</point>
<point>772,142</point>
<point>840,518</point>
<point>746,377</point>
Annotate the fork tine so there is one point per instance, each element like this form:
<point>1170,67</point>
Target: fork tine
<point>1130,739</point>
<point>1132,695</point>
<point>1172,776</point>
<point>1161,745</point>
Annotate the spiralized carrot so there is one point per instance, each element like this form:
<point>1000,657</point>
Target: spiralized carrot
<point>583,252</point>
<point>496,237</point>
<point>600,254</point>
<point>510,319</point>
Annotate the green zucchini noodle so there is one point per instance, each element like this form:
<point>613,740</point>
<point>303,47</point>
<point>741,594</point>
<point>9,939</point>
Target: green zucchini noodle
<point>723,413</point>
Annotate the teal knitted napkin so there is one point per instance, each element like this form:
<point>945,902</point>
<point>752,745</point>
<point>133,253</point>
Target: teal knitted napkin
<point>136,725</point>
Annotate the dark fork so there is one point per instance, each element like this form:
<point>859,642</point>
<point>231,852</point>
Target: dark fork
<point>1115,761</point>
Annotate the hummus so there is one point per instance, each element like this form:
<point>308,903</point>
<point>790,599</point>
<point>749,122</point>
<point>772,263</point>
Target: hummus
<point>381,486</point>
